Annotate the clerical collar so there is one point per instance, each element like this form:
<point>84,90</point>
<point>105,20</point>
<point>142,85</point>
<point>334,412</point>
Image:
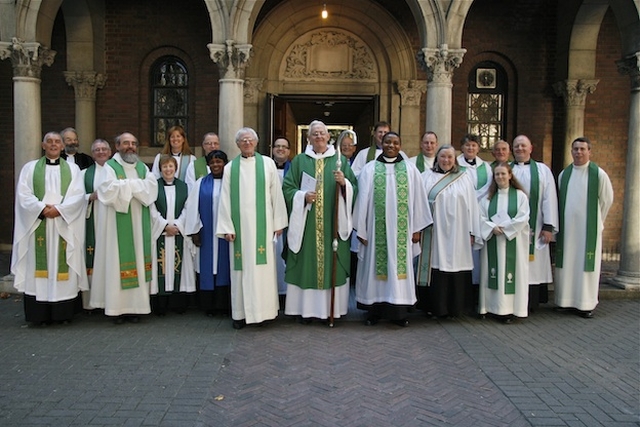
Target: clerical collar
<point>383,159</point>
<point>524,163</point>
<point>247,156</point>
<point>169,184</point>
<point>176,155</point>
<point>53,162</point>
<point>216,175</point>
<point>280,166</point>
<point>471,162</point>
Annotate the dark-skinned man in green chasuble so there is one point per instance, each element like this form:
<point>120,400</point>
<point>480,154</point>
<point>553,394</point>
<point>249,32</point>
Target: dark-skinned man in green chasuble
<point>48,244</point>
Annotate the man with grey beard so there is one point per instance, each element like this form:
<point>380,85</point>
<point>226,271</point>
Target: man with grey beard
<point>125,254</point>
<point>71,145</point>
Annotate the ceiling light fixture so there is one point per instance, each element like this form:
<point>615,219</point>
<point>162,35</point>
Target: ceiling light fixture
<point>324,13</point>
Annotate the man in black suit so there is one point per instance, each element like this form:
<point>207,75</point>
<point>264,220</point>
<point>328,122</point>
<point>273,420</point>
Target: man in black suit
<point>71,144</point>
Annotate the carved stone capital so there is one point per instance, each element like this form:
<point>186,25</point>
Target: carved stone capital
<point>252,88</point>
<point>631,67</point>
<point>440,63</point>
<point>231,58</point>
<point>411,91</point>
<point>85,83</point>
<point>27,58</point>
<point>575,92</point>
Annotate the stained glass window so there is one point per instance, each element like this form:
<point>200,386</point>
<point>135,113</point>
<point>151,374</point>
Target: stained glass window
<point>169,97</point>
<point>486,104</point>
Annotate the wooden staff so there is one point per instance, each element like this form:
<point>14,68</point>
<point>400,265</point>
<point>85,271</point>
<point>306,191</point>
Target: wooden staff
<point>334,243</point>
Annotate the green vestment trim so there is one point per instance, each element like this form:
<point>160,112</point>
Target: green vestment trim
<point>481,171</point>
<point>261,213</point>
<point>510,250</point>
<point>41,230</point>
<point>200,168</point>
<point>593,184</point>
<point>420,162</point>
<point>124,225</point>
<point>371,154</point>
<point>161,204</point>
<point>90,232</point>
<point>424,260</point>
<point>534,196</point>
<point>380,209</point>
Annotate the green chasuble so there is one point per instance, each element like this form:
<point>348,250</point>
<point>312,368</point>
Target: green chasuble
<point>311,267</point>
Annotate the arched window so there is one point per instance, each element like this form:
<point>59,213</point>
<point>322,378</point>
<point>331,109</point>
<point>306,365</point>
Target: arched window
<point>169,90</point>
<point>486,103</point>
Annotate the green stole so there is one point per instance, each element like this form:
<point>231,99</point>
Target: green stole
<point>593,185</point>
<point>90,232</point>
<point>534,196</point>
<point>371,154</point>
<point>200,167</point>
<point>380,214</point>
<point>161,204</point>
<point>41,230</point>
<point>510,251</point>
<point>420,162</point>
<point>481,172</point>
<point>124,225</point>
<point>424,260</point>
<point>261,212</point>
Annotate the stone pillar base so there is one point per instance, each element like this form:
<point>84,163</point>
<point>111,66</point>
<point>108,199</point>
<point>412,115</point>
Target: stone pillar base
<point>627,281</point>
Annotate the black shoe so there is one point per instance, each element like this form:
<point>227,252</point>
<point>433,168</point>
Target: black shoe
<point>402,322</point>
<point>239,324</point>
<point>305,320</point>
<point>586,314</point>
<point>507,320</point>
<point>118,320</point>
<point>372,320</point>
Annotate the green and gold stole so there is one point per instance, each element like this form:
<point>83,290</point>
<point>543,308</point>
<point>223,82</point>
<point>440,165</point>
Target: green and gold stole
<point>124,225</point>
<point>90,232</point>
<point>161,204</point>
<point>424,260</point>
<point>380,215</point>
<point>593,184</point>
<point>200,168</point>
<point>261,212</point>
<point>41,230</point>
<point>318,207</point>
<point>511,247</point>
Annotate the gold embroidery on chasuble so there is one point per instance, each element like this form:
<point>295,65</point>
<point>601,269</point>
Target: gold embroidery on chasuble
<point>319,217</point>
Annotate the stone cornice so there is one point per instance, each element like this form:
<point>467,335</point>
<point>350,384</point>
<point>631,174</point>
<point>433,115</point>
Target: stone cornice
<point>231,58</point>
<point>440,63</point>
<point>85,83</point>
<point>575,91</point>
<point>631,66</point>
<point>411,91</point>
<point>27,58</point>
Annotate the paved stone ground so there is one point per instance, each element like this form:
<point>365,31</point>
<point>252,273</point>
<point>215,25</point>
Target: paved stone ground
<point>553,369</point>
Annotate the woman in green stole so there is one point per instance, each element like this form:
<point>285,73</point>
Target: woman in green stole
<point>504,271</point>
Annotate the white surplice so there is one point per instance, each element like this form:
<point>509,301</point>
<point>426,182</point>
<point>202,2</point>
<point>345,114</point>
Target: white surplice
<point>69,225</point>
<point>118,195</point>
<point>254,289</point>
<point>575,287</point>
<point>495,300</point>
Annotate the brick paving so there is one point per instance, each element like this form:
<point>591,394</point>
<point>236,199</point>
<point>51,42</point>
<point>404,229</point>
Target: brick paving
<point>553,369</point>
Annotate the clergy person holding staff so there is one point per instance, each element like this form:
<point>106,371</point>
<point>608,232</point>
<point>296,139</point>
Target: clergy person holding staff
<point>316,185</point>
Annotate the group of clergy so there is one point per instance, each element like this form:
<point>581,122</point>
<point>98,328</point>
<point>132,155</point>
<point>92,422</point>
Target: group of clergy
<point>450,234</point>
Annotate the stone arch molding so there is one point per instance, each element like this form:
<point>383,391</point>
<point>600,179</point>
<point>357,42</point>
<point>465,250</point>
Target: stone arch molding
<point>327,55</point>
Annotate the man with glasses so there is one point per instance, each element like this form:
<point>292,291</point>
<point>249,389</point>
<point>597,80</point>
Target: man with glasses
<point>125,254</point>
<point>199,168</point>
<point>252,215</point>
<point>281,149</point>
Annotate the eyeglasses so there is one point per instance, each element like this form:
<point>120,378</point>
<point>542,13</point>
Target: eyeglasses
<point>318,134</point>
<point>246,140</point>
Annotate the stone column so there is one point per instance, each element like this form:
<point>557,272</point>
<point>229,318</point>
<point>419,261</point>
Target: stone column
<point>439,65</point>
<point>574,93</point>
<point>410,94</point>
<point>252,88</point>
<point>628,276</point>
<point>85,85</point>
<point>232,59</point>
<point>27,59</point>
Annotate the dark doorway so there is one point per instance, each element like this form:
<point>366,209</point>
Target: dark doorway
<point>286,112</point>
